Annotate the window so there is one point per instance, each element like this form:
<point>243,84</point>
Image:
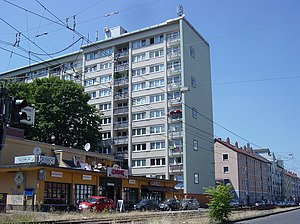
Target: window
<point>106,120</point>
<point>157,68</point>
<point>139,116</point>
<point>105,79</point>
<point>91,68</point>
<point>139,162</point>
<point>156,54</point>
<point>225,169</point>
<point>89,82</point>
<point>99,54</point>
<point>157,98</point>
<point>157,129</point>
<point>157,39</point>
<point>157,113</point>
<point>139,71</point>
<point>139,57</point>
<point>173,36</point>
<point>105,92</point>
<point>196,178</point>
<point>105,65</point>
<point>83,191</point>
<point>57,193</point>
<point>192,52</point>
<point>195,145</point>
<point>157,83</point>
<point>225,157</point>
<point>174,79</point>
<point>157,162</point>
<point>93,95</point>
<point>194,113</point>
<point>175,160</point>
<point>106,135</point>
<point>174,65</point>
<point>193,82</point>
<point>105,106</point>
<point>157,145</point>
<point>138,86</point>
<point>174,95</point>
<point>139,44</point>
<point>139,101</point>
<point>138,131</point>
<point>139,147</point>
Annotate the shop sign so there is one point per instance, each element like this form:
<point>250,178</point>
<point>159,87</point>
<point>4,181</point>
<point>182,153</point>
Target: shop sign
<point>86,177</point>
<point>25,159</point>
<point>131,181</point>
<point>154,183</point>
<point>56,174</point>
<point>118,173</point>
<point>110,184</point>
<point>47,160</point>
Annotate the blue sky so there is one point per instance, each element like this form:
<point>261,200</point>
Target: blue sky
<point>255,59</point>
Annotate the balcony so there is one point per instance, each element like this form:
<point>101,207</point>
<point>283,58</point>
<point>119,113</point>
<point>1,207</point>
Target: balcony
<point>121,140</point>
<point>120,110</point>
<point>175,150</point>
<point>121,81</point>
<point>176,168</point>
<point>174,86</point>
<point>121,155</point>
<point>174,70</point>
<point>121,67</point>
<point>175,134</point>
<point>175,54</point>
<point>121,96</point>
<point>122,54</point>
<point>174,102</point>
<point>121,125</point>
<point>173,40</point>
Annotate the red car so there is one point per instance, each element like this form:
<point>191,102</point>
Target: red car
<point>97,203</point>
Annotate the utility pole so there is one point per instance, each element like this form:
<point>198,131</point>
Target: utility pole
<point>3,116</point>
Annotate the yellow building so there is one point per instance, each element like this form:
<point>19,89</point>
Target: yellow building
<point>37,175</point>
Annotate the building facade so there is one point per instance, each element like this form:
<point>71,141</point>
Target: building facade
<point>248,173</point>
<point>153,87</point>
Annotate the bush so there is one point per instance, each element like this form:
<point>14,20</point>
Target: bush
<point>219,206</point>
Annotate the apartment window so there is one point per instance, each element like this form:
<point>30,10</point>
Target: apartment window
<point>195,145</point>
<point>157,39</point>
<point>196,178</point>
<point>157,162</point>
<point>139,57</point>
<point>157,68</point>
<point>174,79</point>
<point>192,52</point>
<point>157,113</point>
<point>139,101</point>
<point>105,106</point>
<point>157,145</point>
<point>194,113</point>
<point>193,82</point>
<point>139,116</point>
<point>175,160</point>
<point>225,169</point>
<point>156,54</point>
<point>157,98</point>
<point>157,83</point>
<point>138,131</point>
<point>173,95</point>
<point>93,95</point>
<point>106,120</point>
<point>139,44</point>
<point>105,78</point>
<point>173,36</point>
<point>225,157</point>
<point>89,82</point>
<point>139,147</point>
<point>105,135</point>
<point>138,86</point>
<point>139,71</point>
<point>105,92</point>
<point>99,54</point>
<point>174,65</point>
<point>106,65</point>
<point>157,129</point>
<point>138,162</point>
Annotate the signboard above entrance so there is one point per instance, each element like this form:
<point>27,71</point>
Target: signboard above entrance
<point>118,173</point>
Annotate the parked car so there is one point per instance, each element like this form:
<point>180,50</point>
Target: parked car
<point>234,203</point>
<point>96,203</point>
<point>146,204</point>
<point>170,204</point>
<point>189,204</point>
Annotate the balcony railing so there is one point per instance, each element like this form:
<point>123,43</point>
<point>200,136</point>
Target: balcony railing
<point>174,102</point>
<point>121,81</point>
<point>121,140</point>
<point>174,86</point>
<point>121,125</point>
<point>174,54</point>
<point>120,96</point>
<point>176,150</point>
<point>174,69</point>
<point>175,134</point>
<point>173,39</point>
<point>121,155</point>
<point>176,167</point>
<point>122,53</point>
<point>120,110</point>
<point>121,67</point>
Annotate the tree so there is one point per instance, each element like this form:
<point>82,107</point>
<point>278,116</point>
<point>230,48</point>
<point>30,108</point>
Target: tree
<point>62,111</point>
<point>219,206</point>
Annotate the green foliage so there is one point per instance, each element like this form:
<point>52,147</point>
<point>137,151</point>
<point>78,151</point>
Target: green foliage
<point>219,206</point>
<point>62,110</point>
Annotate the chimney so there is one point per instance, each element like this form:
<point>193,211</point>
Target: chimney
<point>236,144</point>
<point>228,140</point>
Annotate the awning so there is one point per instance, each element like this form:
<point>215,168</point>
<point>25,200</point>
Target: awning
<point>162,189</point>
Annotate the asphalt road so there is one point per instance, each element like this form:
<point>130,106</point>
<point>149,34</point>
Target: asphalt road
<point>292,217</point>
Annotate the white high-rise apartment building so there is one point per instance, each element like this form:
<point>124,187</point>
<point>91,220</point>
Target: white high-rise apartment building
<point>153,87</point>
